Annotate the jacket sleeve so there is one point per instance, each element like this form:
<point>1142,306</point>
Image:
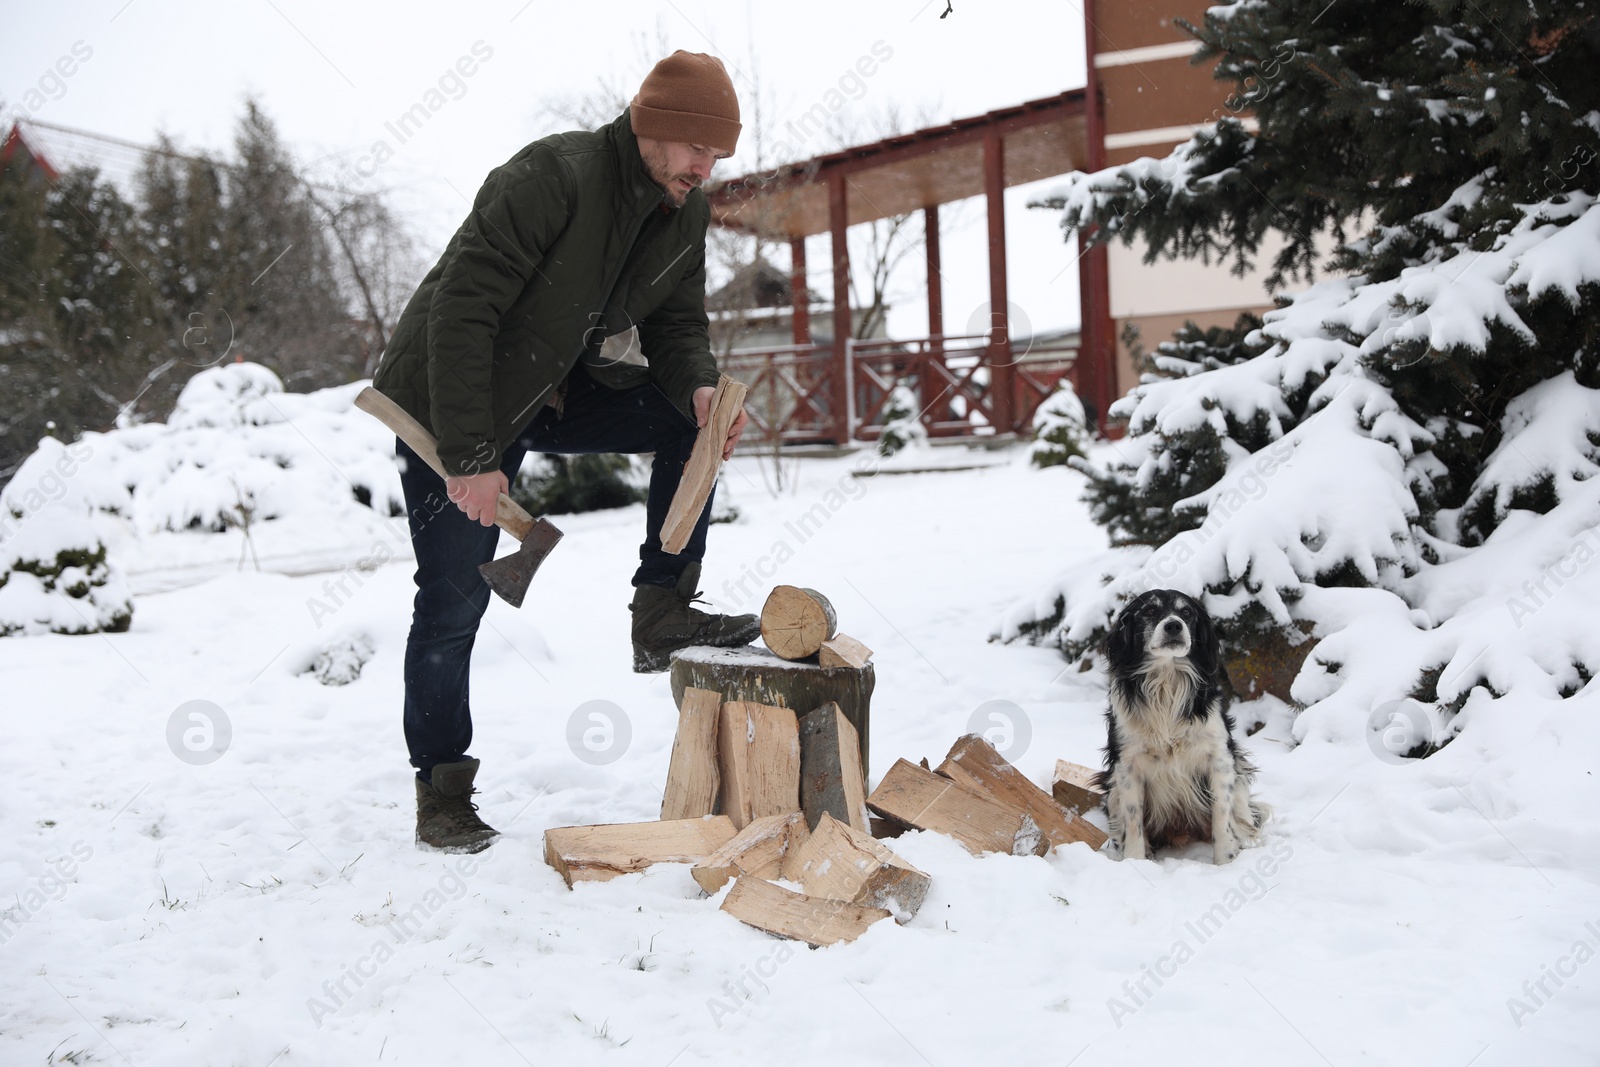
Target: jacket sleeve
<point>676,338</point>
<point>517,215</point>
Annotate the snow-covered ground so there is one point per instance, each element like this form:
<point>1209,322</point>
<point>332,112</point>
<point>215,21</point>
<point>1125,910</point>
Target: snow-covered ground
<point>269,907</point>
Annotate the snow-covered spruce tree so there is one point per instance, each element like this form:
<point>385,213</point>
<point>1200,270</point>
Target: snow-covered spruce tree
<point>1150,502</point>
<point>1406,460</point>
<point>1060,428</point>
<point>902,428</point>
<point>550,484</point>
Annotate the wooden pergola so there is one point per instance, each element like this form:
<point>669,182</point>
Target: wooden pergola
<point>921,170</point>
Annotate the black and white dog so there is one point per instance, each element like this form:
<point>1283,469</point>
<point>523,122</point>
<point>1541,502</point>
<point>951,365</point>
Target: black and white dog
<point>1173,771</point>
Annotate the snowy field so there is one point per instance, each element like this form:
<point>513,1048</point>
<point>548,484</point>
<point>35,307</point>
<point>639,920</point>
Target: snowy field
<point>269,907</point>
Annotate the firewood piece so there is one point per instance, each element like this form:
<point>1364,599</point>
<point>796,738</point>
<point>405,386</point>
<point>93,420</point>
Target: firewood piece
<point>755,674</point>
<point>842,650</point>
<point>692,775</point>
<point>795,621</point>
<point>758,752</point>
<point>700,472</point>
<point>831,778</point>
<point>927,801</point>
<point>843,863</point>
<point>1074,788</point>
<point>974,762</point>
<point>758,850</point>
<point>599,853</point>
<point>814,920</point>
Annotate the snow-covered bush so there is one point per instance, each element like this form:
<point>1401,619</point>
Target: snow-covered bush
<point>562,485</point>
<point>340,661</point>
<point>241,470</point>
<point>1388,489</point>
<point>54,575</point>
<point>1060,428</point>
<point>902,428</point>
<point>236,442</point>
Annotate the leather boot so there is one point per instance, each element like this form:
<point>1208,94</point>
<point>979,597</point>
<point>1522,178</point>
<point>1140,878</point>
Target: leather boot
<point>664,621</point>
<point>447,819</point>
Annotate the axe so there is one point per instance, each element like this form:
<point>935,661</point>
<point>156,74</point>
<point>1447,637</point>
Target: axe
<point>508,577</point>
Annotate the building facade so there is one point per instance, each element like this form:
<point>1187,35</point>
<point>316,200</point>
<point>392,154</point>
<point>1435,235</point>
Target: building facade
<point>1146,98</point>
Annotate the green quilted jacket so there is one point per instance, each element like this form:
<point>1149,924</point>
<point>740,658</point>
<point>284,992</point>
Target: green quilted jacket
<point>567,243</point>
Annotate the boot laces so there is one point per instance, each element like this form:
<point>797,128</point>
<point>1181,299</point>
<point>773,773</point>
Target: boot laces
<point>686,603</point>
<point>460,808</point>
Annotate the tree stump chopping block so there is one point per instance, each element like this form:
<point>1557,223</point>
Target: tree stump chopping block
<point>757,675</point>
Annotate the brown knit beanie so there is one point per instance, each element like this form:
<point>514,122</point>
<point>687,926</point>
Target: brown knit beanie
<point>688,97</point>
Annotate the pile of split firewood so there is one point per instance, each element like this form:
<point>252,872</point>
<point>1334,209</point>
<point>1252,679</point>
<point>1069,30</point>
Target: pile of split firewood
<point>757,793</point>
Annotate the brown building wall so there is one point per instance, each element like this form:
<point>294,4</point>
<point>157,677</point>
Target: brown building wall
<point>1124,24</point>
<point>1115,157</point>
<point>1154,94</point>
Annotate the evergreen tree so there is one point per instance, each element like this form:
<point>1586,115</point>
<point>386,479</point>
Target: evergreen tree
<point>1061,431</point>
<point>561,485</point>
<point>1150,501</point>
<point>180,248</point>
<point>27,247</point>
<point>278,289</point>
<point>108,308</point>
<point>1438,383</point>
<point>72,306</point>
<point>902,428</point>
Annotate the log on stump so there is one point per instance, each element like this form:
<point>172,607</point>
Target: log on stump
<point>755,674</point>
<point>842,650</point>
<point>705,460</point>
<point>974,762</point>
<point>1074,788</point>
<point>758,753</point>
<point>814,920</point>
<point>692,776</point>
<point>929,801</point>
<point>832,780</point>
<point>758,850</point>
<point>841,862</point>
<point>598,853</point>
<point>795,621</point>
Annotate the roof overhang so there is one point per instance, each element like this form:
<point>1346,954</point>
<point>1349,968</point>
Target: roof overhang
<point>902,174</point>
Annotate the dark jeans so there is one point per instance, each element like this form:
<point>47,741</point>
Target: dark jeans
<point>451,595</point>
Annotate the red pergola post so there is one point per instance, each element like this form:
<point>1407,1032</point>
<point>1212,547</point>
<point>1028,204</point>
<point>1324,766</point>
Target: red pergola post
<point>932,409</point>
<point>801,315</point>
<point>1097,348</point>
<point>999,348</point>
<point>1096,364</point>
<point>842,324</point>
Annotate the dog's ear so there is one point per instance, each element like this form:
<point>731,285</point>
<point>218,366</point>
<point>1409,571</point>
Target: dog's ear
<point>1205,649</point>
<point>1123,649</point>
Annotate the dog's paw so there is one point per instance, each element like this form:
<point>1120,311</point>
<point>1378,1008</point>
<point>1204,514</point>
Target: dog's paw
<point>1134,850</point>
<point>1222,853</point>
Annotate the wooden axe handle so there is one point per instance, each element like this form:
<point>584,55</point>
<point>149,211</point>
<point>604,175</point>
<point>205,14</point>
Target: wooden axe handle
<point>508,515</point>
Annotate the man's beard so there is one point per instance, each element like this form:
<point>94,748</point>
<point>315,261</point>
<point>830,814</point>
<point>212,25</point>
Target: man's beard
<point>656,164</point>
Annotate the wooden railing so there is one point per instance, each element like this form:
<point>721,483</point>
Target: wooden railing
<point>791,398</point>
<point>796,395</point>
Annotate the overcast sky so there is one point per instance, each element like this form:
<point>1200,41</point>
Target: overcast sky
<point>333,74</point>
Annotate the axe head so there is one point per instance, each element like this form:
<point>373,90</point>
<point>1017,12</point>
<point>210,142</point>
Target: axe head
<point>510,575</point>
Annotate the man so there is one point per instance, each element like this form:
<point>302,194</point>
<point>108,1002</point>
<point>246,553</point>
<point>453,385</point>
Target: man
<point>580,235</point>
